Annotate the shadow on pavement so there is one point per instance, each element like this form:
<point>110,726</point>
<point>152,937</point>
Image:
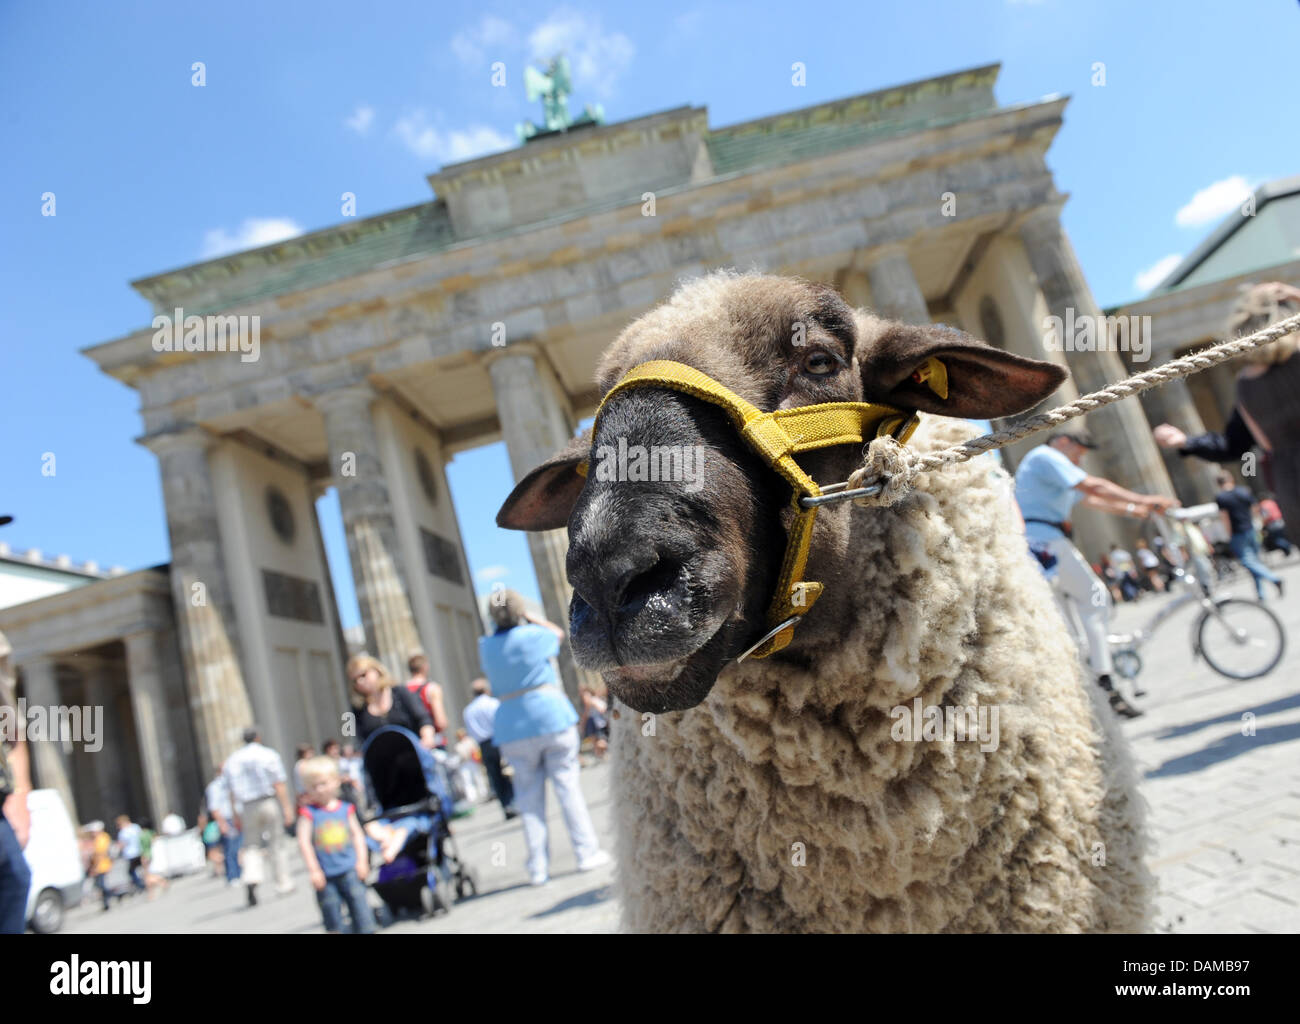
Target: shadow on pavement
<point>1228,747</point>
<point>583,899</point>
<point>1272,707</point>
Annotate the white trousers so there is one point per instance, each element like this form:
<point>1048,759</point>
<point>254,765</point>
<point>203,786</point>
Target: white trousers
<point>554,756</point>
<point>264,836</point>
<point>1079,589</point>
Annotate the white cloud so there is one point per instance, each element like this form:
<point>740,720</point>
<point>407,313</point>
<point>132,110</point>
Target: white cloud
<point>1213,201</point>
<point>429,142</point>
<point>491,572</point>
<point>361,119</point>
<point>492,33</point>
<point>598,58</point>
<point>1157,272</point>
<point>253,233</point>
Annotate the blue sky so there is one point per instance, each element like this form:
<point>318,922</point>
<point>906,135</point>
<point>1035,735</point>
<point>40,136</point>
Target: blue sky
<point>306,100</point>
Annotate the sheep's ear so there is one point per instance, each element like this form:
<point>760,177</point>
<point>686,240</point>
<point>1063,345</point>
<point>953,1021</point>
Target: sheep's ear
<point>544,498</point>
<point>939,369</point>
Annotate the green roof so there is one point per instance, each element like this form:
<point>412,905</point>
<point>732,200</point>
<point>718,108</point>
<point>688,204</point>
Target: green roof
<point>1242,244</point>
<point>732,153</point>
<point>318,258</point>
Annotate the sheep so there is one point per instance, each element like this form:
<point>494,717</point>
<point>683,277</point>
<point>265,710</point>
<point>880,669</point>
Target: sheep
<point>793,793</point>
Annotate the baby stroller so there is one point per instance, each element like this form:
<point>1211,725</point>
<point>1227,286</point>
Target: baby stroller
<point>403,783</point>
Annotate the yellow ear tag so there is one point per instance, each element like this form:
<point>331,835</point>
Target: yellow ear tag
<point>934,375</point>
<point>581,468</point>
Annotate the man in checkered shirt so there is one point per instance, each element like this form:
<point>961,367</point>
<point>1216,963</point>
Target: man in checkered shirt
<point>255,775</point>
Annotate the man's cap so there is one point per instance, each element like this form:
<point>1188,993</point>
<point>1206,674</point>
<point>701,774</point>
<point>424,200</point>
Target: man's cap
<point>1079,435</point>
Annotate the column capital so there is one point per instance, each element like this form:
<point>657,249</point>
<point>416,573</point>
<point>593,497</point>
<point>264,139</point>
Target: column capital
<point>360,395</point>
<point>518,348</point>
<point>891,251</point>
<point>1044,217</point>
<point>186,437</point>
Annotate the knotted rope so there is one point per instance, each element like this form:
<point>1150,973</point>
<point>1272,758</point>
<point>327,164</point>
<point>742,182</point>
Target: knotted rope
<point>887,462</point>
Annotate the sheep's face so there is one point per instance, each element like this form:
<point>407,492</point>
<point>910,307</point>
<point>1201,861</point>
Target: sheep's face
<point>677,530</point>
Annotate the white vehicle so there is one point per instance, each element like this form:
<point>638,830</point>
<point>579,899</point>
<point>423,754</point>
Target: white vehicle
<point>55,861</point>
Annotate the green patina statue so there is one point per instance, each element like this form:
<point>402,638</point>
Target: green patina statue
<point>553,87</point>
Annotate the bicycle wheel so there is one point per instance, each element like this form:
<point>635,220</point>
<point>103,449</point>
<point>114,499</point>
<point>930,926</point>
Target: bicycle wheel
<point>1127,663</point>
<point>1240,639</point>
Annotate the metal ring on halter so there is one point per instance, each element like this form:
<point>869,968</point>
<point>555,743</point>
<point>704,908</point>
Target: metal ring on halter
<point>792,620</point>
<point>836,492</point>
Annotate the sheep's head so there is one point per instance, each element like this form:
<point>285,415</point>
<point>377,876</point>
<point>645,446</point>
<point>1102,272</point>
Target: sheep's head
<point>673,576</point>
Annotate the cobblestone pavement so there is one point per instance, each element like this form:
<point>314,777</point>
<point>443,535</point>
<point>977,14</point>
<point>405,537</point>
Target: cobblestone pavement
<point>1225,811</point>
<point>571,902</point>
<point>1225,805</point>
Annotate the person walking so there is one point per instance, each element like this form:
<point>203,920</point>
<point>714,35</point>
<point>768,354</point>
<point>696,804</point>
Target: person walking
<point>1149,563</point>
<point>130,849</point>
<point>1122,562</point>
<point>153,883</point>
<point>379,701</point>
<point>536,728</point>
<point>479,717</point>
<point>15,783</point>
<point>1236,505</point>
<point>258,788</point>
<point>221,809</point>
<point>101,860</point>
<point>334,849</point>
<point>1049,481</point>
<point>430,694</point>
<point>595,723</point>
<point>1270,515</point>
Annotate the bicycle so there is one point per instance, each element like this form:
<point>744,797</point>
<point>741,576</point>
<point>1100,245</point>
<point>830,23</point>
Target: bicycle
<point>1228,628</point>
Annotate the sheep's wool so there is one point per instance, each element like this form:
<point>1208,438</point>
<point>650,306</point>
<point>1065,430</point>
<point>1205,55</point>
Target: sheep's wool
<point>784,802</point>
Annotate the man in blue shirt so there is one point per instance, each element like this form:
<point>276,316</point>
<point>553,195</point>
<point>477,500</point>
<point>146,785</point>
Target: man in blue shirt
<point>1049,482</point>
<point>480,722</point>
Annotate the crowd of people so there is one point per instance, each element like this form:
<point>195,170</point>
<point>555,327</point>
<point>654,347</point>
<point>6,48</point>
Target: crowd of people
<point>132,845</point>
<point>519,730</point>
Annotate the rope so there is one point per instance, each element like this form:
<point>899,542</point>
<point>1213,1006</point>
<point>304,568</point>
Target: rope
<point>888,462</point>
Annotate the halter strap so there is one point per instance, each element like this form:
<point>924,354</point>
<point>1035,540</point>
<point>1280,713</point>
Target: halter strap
<point>777,437</point>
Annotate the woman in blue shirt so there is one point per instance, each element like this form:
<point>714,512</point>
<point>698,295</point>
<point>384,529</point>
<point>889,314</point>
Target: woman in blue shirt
<point>535,728</point>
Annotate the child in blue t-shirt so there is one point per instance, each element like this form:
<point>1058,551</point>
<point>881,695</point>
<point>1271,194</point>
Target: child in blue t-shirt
<point>334,848</point>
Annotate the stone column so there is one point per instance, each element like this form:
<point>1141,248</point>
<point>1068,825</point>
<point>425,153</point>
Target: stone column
<point>1128,453</point>
<point>536,423</point>
<point>158,753</point>
<point>391,635</point>
<point>45,754</point>
<point>894,291</point>
<point>1222,381</point>
<point>1172,403</point>
<point>201,595</point>
<point>110,760</point>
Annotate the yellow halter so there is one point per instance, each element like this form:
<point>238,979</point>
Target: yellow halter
<point>778,437</point>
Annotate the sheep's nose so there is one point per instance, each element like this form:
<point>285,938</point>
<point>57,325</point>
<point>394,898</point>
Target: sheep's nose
<point>614,590</point>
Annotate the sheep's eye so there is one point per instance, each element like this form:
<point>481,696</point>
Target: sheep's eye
<point>819,363</point>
